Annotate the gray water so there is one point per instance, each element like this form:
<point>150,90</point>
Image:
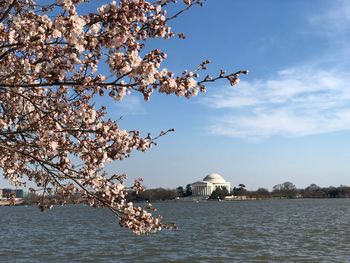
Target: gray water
<point>239,231</point>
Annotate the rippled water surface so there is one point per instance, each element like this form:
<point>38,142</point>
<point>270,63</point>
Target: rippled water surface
<point>241,231</point>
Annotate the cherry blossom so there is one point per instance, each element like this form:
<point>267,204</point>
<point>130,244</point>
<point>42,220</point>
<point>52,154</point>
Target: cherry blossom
<point>51,132</point>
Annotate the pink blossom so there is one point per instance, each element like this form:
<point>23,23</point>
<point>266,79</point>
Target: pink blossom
<point>51,131</point>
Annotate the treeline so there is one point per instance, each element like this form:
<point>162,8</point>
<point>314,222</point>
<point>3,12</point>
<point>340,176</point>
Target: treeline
<point>150,195</point>
<point>158,194</point>
<point>161,194</point>
<point>286,190</point>
<point>289,190</point>
<point>33,198</point>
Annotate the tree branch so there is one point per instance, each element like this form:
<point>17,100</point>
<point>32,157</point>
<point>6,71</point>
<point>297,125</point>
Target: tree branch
<point>7,10</point>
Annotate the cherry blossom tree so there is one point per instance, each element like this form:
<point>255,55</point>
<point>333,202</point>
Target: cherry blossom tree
<point>51,132</point>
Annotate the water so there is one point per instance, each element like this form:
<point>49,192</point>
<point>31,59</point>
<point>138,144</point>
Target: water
<point>246,231</point>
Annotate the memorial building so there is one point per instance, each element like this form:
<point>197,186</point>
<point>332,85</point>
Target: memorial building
<point>209,184</point>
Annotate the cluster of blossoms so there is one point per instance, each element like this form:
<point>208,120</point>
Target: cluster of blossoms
<point>51,133</point>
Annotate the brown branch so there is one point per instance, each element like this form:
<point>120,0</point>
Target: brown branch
<point>42,163</point>
<point>183,10</point>
<point>65,83</point>
<point>8,10</point>
<point>4,54</point>
<point>222,76</point>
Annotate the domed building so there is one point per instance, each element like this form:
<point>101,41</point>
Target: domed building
<point>209,184</point>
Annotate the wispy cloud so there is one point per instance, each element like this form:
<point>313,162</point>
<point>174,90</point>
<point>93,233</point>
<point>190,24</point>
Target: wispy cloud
<point>131,104</point>
<point>334,21</point>
<point>296,102</point>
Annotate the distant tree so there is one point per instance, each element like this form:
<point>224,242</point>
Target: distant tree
<point>157,194</point>
<point>180,191</point>
<point>313,191</point>
<point>289,190</point>
<point>188,190</point>
<point>219,193</point>
<point>31,198</point>
<point>263,193</point>
<point>286,190</point>
<point>334,192</point>
<point>240,190</point>
<point>184,192</point>
<point>345,190</point>
<point>313,188</point>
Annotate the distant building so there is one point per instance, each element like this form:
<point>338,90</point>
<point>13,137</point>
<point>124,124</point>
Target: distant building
<point>6,193</point>
<point>209,184</point>
<point>19,193</point>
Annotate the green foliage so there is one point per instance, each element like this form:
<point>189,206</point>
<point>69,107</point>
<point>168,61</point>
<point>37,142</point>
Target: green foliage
<point>239,191</point>
<point>180,191</point>
<point>188,190</point>
<point>157,195</point>
<point>263,193</point>
<point>219,193</point>
<point>285,190</point>
<point>184,192</point>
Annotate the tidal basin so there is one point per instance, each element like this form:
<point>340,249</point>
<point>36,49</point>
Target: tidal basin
<point>313,230</point>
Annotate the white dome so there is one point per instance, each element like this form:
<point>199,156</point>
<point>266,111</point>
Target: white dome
<point>214,178</point>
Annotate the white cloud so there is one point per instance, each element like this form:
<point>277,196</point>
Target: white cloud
<point>131,104</point>
<point>296,102</point>
<point>334,22</point>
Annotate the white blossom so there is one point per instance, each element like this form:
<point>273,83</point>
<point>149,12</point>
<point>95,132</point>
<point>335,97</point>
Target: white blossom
<point>51,131</point>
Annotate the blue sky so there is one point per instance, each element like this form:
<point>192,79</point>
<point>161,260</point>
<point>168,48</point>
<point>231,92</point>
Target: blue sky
<point>288,120</point>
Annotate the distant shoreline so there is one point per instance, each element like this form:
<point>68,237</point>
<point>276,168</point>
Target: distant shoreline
<point>10,202</point>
